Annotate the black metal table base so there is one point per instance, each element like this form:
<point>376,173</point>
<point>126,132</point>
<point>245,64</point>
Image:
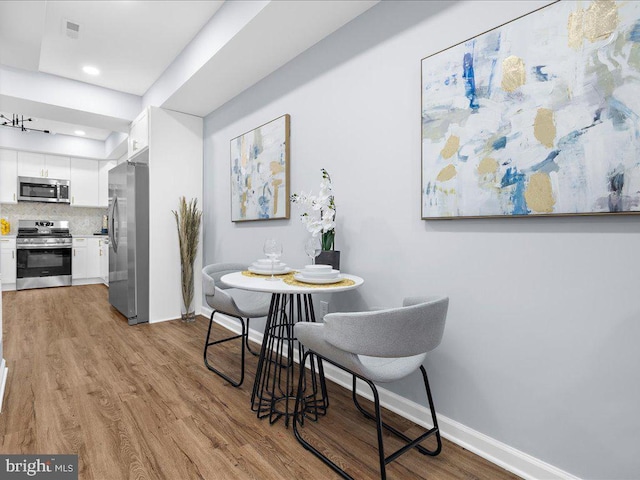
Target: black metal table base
<point>275,386</point>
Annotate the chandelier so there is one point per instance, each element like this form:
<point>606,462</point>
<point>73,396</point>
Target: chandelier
<point>18,121</point>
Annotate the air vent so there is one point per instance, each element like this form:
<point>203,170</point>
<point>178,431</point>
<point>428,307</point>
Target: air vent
<point>72,29</point>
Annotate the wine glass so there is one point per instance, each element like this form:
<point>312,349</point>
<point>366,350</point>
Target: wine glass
<point>273,250</point>
<point>312,248</point>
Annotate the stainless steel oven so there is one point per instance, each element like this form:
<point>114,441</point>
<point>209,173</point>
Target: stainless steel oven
<point>43,250</point>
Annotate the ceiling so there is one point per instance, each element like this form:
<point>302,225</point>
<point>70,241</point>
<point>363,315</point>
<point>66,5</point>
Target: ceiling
<point>130,42</point>
<point>55,127</point>
<point>146,49</point>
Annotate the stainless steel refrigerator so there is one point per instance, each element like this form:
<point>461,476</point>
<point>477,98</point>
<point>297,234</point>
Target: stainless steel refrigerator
<point>129,239</point>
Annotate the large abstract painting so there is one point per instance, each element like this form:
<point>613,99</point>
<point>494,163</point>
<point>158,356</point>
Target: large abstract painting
<point>260,172</point>
<point>537,117</point>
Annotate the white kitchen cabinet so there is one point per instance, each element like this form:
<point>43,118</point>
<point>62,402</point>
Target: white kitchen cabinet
<point>8,263</point>
<point>47,166</point>
<point>88,260</point>
<point>103,181</point>
<point>8,176</point>
<point>139,134</point>
<point>94,252</point>
<point>84,182</point>
<point>30,164</point>
<point>57,167</point>
<point>104,261</point>
<point>79,260</point>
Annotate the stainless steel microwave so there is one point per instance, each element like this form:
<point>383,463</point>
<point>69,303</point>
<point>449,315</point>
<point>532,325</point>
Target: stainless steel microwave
<point>35,189</point>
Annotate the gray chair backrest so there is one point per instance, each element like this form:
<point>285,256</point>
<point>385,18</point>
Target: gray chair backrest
<point>416,327</point>
<point>216,271</point>
<point>213,288</point>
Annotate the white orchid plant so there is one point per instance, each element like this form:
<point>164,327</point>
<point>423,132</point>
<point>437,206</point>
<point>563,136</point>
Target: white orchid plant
<point>319,212</point>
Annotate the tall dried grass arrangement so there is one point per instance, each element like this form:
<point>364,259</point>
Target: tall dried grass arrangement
<point>188,222</point>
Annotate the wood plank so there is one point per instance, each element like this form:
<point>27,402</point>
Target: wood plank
<point>138,402</point>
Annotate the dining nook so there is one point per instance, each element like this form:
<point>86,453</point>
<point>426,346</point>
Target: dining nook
<point>303,239</point>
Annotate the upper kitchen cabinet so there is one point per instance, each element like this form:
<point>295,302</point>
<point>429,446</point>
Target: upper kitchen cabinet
<point>8,176</point>
<point>57,167</point>
<point>39,165</point>
<point>84,182</point>
<point>31,164</point>
<point>139,134</point>
<point>103,178</point>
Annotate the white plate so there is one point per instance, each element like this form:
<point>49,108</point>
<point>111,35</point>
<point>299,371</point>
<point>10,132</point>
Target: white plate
<point>317,268</point>
<point>312,274</point>
<point>262,261</point>
<point>276,266</point>
<point>267,271</point>
<point>318,281</point>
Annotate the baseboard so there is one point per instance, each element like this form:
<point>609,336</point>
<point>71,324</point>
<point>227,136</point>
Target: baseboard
<point>4,372</point>
<point>496,452</point>
<point>168,319</point>
<point>86,281</point>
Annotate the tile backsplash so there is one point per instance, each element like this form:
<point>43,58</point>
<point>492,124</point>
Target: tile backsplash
<point>82,220</point>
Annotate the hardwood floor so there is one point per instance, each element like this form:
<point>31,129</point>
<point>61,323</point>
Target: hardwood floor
<point>138,402</point>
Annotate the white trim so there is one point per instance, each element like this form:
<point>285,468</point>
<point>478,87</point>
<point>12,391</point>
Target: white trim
<point>4,373</point>
<point>76,282</point>
<point>501,454</point>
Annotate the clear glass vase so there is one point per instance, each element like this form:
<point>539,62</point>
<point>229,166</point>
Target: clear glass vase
<point>187,312</point>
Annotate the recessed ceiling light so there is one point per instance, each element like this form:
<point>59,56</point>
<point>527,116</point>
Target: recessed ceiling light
<point>89,70</point>
<point>80,132</point>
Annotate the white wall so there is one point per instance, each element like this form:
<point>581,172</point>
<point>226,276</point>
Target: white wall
<point>175,170</point>
<point>541,345</point>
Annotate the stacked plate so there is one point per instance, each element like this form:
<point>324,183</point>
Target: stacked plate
<point>318,274</point>
<point>264,267</point>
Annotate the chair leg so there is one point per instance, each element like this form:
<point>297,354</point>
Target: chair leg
<point>379,424</point>
<point>208,344</point>
<point>433,413</point>
<point>411,443</point>
<point>299,415</point>
<point>246,342</point>
<point>298,418</point>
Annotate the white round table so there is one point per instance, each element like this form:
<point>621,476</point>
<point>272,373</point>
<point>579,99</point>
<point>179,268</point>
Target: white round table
<point>275,385</point>
<point>261,284</point>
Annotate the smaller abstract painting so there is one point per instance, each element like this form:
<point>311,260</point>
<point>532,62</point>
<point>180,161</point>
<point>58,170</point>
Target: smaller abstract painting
<point>260,172</point>
<point>540,116</point>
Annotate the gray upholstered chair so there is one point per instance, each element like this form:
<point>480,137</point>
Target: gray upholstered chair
<point>232,302</point>
<point>380,346</point>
